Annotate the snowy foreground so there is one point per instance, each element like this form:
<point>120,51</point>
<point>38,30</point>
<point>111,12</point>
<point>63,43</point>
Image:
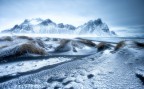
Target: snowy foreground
<point>54,63</point>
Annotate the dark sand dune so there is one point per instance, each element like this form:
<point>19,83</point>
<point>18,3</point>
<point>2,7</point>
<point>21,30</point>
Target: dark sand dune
<point>103,65</point>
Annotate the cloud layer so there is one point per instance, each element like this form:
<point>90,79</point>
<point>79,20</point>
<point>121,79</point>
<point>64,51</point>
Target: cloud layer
<point>116,13</point>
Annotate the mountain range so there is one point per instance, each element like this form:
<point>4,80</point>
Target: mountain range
<point>47,26</point>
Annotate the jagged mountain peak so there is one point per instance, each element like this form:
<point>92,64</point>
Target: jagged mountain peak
<point>47,26</point>
<point>61,25</point>
<point>46,22</point>
<point>97,27</point>
<point>71,27</point>
<point>26,21</point>
<point>33,21</point>
<point>16,26</point>
<point>98,21</point>
<point>94,22</point>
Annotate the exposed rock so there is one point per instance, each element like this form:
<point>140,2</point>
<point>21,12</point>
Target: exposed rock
<point>74,49</point>
<point>52,79</point>
<point>90,76</point>
<point>141,77</point>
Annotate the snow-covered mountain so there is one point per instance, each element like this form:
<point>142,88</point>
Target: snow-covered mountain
<point>40,26</point>
<point>95,27</point>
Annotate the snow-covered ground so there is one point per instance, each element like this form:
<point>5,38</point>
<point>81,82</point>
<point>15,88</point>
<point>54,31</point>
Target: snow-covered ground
<point>14,68</point>
<point>107,69</point>
<point>115,39</point>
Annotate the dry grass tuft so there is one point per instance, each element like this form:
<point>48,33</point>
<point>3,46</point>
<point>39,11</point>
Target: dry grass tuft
<point>25,37</point>
<point>63,42</point>
<point>24,49</point>
<point>102,45</point>
<point>4,46</point>
<point>55,39</point>
<point>31,48</point>
<point>88,42</point>
<point>139,44</point>
<point>6,38</point>
<point>119,45</point>
<point>47,39</point>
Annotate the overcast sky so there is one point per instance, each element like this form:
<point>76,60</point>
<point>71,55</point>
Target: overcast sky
<point>120,15</point>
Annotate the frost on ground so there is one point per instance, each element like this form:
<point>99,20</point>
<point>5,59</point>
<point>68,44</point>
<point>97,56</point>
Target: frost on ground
<point>10,69</point>
<point>106,69</point>
<point>21,55</point>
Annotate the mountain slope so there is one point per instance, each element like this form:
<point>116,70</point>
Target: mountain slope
<point>96,27</point>
<point>40,26</point>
